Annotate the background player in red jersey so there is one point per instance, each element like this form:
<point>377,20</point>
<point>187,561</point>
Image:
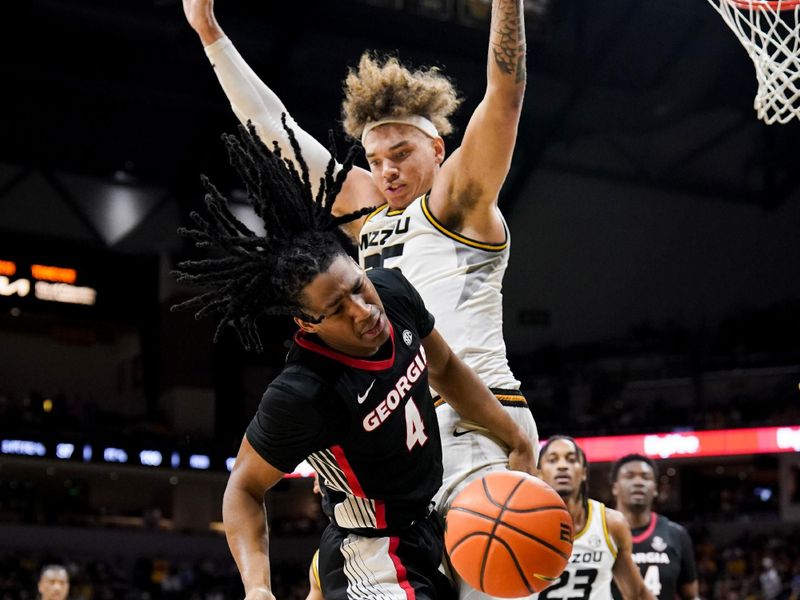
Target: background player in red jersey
<point>661,548</point>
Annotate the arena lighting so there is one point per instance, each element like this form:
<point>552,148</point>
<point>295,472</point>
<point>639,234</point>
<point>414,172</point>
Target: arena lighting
<point>20,287</point>
<point>150,458</point>
<point>64,451</point>
<point>691,444</point>
<point>22,448</point>
<point>7,267</point>
<point>199,461</point>
<point>64,292</point>
<point>115,455</point>
<point>49,283</point>
<point>685,444</point>
<point>54,273</point>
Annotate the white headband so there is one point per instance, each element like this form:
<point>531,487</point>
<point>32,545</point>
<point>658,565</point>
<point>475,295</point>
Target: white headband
<point>418,121</point>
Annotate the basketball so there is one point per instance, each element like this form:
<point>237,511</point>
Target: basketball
<point>508,534</point>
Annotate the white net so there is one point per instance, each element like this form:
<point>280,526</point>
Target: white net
<point>770,32</point>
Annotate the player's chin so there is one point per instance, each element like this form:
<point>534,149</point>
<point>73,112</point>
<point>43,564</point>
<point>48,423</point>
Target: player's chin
<point>564,490</point>
<point>401,199</point>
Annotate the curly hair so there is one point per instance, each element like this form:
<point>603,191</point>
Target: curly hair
<point>254,275</point>
<point>381,87</point>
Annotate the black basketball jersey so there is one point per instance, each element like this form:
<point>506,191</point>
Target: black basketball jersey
<point>367,426</point>
<point>664,553</point>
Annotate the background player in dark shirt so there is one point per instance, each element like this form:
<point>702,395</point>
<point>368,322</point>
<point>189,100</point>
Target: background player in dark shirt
<point>661,548</point>
<point>353,396</point>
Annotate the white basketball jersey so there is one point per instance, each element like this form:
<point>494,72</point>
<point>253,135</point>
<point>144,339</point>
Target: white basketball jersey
<point>588,575</point>
<point>459,279</point>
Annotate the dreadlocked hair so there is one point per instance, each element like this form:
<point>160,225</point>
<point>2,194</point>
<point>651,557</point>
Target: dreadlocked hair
<point>253,275</point>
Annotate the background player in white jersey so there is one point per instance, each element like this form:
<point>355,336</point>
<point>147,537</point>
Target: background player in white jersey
<point>601,548</point>
<point>353,397</point>
<point>438,221</point>
<point>661,548</point>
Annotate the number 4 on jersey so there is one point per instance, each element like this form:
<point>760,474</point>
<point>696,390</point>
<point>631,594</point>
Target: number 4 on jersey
<point>652,579</point>
<point>415,428</point>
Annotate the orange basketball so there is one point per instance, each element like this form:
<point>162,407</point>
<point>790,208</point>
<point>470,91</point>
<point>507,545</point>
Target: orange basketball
<point>508,534</point>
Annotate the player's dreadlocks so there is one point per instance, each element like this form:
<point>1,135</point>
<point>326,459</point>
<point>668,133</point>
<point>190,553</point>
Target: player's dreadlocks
<point>265,274</point>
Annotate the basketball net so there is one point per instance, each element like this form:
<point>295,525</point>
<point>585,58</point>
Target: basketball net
<point>770,32</point>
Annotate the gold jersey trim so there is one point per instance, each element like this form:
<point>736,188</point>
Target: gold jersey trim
<point>611,545</point>
<point>506,398</point>
<point>458,237</point>
<point>376,211</point>
<point>315,568</point>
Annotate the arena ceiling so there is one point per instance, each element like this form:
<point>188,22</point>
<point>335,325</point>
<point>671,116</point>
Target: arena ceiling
<point>111,109</point>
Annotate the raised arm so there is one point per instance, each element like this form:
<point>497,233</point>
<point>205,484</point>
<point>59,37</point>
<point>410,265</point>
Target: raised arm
<point>626,573</point>
<point>245,520</point>
<point>252,100</point>
<point>470,180</point>
<point>468,395</point>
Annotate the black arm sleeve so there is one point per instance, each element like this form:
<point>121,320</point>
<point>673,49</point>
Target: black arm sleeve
<point>290,422</point>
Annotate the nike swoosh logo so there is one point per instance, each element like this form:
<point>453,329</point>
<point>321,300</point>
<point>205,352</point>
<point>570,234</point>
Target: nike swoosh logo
<point>362,397</point>
<point>460,433</point>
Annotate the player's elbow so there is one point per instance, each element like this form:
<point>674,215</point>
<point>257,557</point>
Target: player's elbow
<point>506,106</point>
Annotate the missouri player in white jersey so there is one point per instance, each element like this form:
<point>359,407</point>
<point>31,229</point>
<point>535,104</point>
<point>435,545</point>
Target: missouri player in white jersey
<point>400,115</point>
<point>462,278</point>
<point>601,550</point>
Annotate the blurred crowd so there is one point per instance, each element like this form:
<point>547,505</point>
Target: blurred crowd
<point>752,568</point>
<point>756,567</point>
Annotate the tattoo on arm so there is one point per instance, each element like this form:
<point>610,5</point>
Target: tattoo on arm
<point>508,38</point>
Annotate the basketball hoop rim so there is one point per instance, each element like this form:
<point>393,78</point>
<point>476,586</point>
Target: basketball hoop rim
<point>762,5</point>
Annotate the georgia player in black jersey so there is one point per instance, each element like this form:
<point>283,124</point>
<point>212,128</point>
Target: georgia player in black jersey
<point>353,396</point>
<point>661,548</point>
